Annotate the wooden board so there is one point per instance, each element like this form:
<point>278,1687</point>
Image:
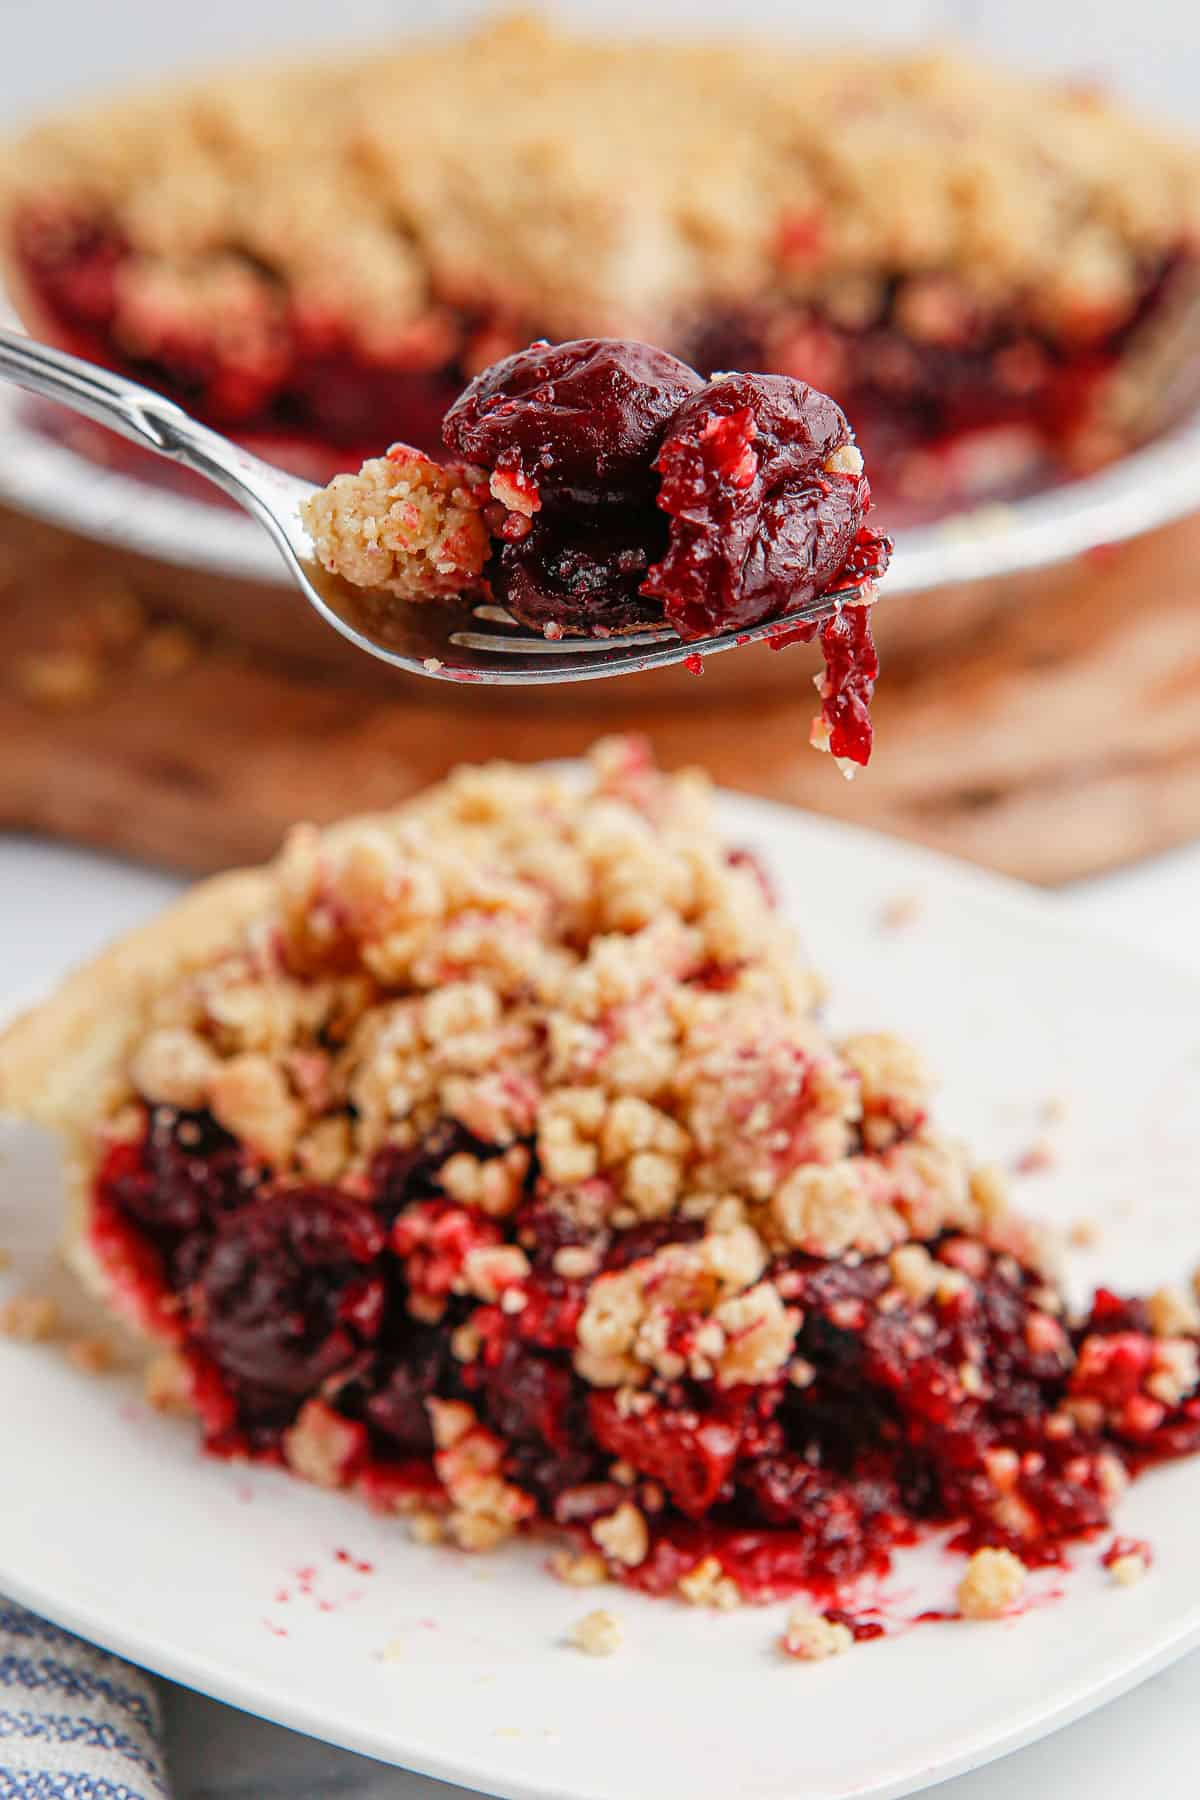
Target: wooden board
<point>1060,737</point>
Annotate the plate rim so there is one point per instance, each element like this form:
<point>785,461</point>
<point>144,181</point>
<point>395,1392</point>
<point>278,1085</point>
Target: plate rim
<point>204,1676</point>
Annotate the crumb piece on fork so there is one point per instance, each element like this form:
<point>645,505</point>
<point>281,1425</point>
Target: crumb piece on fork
<point>404,524</point>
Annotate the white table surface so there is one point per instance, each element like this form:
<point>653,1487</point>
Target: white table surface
<point>57,904</point>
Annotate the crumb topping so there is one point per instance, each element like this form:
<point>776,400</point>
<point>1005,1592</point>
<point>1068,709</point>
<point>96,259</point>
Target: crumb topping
<point>1173,1313</point>
<point>404,525</point>
<point>623,1536</point>
<point>425,1526</point>
<point>167,1384</point>
<point>706,1584</point>
<point>586,1568</point>
<point>535,962</point>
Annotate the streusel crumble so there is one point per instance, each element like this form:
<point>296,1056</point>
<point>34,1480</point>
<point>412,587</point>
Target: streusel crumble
<point>489,1159</point>
<point>405,525</point>
<point>965,257</point>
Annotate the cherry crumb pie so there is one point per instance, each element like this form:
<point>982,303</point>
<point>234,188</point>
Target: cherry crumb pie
<point>602,485</point>
<point>967,259</point>
<point>488,1159</point>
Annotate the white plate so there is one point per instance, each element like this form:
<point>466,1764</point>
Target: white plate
<point>112,1523</point>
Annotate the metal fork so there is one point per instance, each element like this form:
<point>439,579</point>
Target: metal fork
<point>457,642</point>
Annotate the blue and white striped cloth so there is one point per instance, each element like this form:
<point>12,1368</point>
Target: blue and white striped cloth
<point>75,1722</point>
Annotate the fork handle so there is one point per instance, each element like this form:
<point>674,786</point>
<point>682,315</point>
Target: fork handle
<point>135,412</point>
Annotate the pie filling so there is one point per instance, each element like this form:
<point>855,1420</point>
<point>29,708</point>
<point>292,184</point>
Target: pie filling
<point>979,1405</point>
<point>484,1183</point>
<point>602,485</point>
<point>949,400</point>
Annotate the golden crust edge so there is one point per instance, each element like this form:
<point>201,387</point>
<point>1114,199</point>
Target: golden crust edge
<point>56,1056</point>
<point>61,1058</point>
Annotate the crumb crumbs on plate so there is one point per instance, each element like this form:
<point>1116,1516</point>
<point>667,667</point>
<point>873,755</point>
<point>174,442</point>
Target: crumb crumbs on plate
<point>1127,1560</point>
<point>30,1318</point>
<point>1083,1234</point>
<point>1037,1158</point>
<point>1173,1313</point>
<point>92,1355</point>
<point>623,1535</point>
<point>598,1633</point>
<point>993,1583</point>
<point>811,1637</point>
<point>900,911</point>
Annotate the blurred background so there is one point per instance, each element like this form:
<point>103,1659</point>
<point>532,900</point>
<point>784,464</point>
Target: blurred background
<point>1150,51</point>
<point>165,705</point>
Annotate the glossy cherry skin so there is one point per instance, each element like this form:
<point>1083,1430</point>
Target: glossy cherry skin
<point>759,523</point>
<point>579,421</point>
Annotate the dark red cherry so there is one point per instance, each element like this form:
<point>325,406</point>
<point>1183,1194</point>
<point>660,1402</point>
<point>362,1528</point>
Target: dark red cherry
<point>288,1292</point>
<point>759,523</point>
<point>580,420</point>
<point>581,568</point>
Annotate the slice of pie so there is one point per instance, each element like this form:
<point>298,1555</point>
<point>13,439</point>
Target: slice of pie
<point>602,485</point>
<point>490,1158</point>
<point>966,258</point>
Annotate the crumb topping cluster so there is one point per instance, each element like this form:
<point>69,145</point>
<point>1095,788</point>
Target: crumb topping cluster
<point>405,525</point>
<point>481,166</point>
<point>591,980</point>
